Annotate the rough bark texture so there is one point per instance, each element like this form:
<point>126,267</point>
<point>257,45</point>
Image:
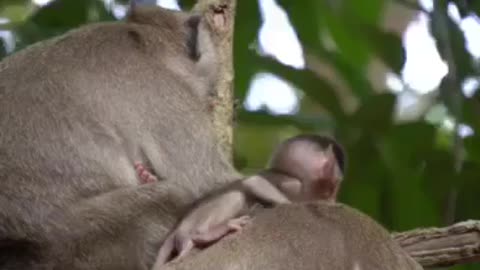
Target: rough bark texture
<point>436,247</point>
<point>221,16</point>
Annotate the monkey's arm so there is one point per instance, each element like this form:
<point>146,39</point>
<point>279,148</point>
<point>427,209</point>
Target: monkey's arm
<point>262,189</point>
<point>208,222</point>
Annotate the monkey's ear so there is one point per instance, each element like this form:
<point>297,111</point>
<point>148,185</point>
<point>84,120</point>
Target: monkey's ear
<point>328,177</point>
<point>328,166</point>
<point>193,42</point>
<point>199,40</point>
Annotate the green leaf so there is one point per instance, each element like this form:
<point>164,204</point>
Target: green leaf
<point>247,25</point>
<point>355,77</point>
<point>473,6</point>
<point>471,111</point>
<point>3,50</point>
<point>351,44</point>
<point>365,181</point>
<point>62,14</point>
<point>305,123</point>
<point>406,165</point>
<point>314,87</point>
<point>188,4</point>
<point>407,134</point>
<point>367,11</point>
<point>15,12</point>
<point>305,19</point>
<point>472,147</point>
<point>67,14</point>
<point>468,192</point>
<point>386,45</point>
<point>375,114</point>
<point>450,41</point>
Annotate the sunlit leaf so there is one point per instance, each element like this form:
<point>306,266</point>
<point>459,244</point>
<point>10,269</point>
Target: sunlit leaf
<point>313,86</point>
<point>450,41</point>
<point>305,19</point>
<point>367,11</point>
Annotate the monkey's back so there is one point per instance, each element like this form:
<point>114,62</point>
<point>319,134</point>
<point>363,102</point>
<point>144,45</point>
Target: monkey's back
<point>76,111</point>
<point>317,236</point>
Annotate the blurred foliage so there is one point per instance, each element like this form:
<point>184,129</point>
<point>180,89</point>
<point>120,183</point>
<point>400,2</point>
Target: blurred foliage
<point>402,173</point>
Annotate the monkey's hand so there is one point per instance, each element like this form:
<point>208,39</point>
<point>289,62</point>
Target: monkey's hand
<point>216,233</point>
<point>182,243</point>
<point>144,173</point>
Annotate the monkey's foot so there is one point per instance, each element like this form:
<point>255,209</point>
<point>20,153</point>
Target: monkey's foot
<point>144,174</point>
<point>237,224</point>
<point>216,233</point>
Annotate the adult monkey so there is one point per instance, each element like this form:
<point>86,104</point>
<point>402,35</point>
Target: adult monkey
<point>313,236</point>
<point>77,112</point>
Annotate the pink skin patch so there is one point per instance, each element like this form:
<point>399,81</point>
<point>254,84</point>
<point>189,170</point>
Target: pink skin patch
<point>216,233</point>
<point>144,174</point>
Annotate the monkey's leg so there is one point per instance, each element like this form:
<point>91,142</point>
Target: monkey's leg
<point>183,245</point>
<point>215,233</point>
<point>144,173</point>
<point>166,251</point>
<point>117,223</point>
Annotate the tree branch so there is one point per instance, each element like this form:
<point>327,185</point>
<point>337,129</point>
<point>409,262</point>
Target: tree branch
<point>439,247</point>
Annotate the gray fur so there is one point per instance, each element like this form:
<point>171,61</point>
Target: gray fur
<point>75,113</point>
<point>312,236</point>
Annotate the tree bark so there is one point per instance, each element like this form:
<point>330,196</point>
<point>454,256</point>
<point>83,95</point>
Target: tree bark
<point>439,247</point>
<point>220,15</point>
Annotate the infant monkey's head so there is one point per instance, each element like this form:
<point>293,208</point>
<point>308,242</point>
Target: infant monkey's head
<point>314,166</point>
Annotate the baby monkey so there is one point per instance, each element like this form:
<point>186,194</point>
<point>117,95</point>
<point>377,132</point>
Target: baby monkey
<point>302,168</point>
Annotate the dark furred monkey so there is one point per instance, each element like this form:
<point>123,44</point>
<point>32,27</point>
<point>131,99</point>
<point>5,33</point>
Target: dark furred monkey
<point>76,113</point>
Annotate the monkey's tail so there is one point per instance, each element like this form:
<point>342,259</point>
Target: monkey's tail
<point>165,252</point>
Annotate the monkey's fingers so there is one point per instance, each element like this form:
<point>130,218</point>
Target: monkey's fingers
<point>237,224</point>
<point>210,236</point>
<point>144,174</point>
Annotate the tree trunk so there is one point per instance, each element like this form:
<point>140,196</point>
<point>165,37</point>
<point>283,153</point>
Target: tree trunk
<point>220,14</point>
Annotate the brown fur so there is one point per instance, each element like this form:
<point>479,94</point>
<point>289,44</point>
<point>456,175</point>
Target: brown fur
<point>76,112</point>
<point>302,168</point>
<point>313,236</point>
